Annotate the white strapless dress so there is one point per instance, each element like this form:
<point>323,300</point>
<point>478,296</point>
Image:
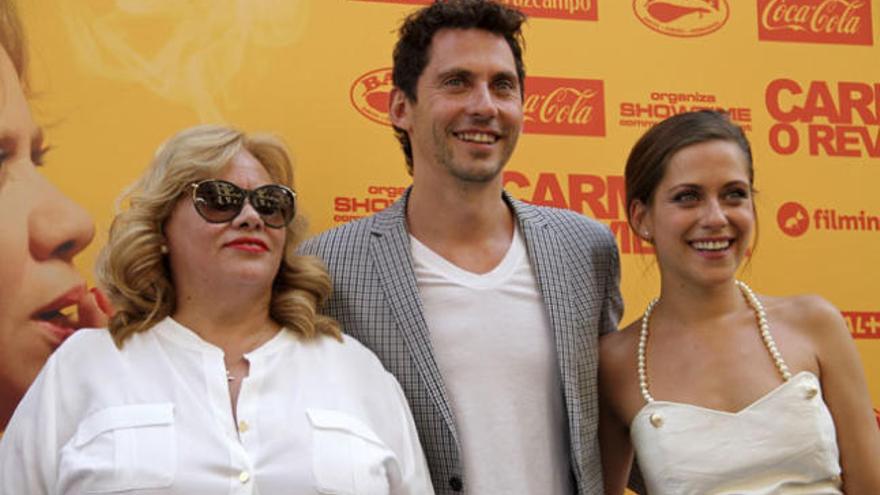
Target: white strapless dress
<point>783,443</point>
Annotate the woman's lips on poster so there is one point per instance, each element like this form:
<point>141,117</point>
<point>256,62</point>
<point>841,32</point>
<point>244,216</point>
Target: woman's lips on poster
<point>57,316</point>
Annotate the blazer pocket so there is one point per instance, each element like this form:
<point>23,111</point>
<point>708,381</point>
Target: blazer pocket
<point>121,448</point>
<point>348,457</point>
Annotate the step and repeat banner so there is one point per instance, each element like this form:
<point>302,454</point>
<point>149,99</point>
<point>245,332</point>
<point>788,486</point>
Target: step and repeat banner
<point>112,79</point>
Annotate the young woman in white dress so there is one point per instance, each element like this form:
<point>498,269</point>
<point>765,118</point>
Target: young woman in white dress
<point>217,375</point>
<point>717,389</point>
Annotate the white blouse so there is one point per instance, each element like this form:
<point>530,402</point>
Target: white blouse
<point>314,417</point>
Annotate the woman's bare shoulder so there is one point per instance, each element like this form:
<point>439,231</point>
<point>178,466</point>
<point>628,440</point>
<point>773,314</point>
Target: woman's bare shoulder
<point>812,315</point>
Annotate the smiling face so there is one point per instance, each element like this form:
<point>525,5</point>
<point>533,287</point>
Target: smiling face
<point>41,231</point>
<point>468,116</point>
<point>702,215</point>
<point>241,253</point>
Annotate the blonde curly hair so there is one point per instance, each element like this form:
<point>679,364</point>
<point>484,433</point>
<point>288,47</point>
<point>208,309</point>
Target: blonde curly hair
<point>134,271</point>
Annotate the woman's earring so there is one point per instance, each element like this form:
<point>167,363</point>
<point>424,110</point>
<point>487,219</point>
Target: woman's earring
<point>163,248</point>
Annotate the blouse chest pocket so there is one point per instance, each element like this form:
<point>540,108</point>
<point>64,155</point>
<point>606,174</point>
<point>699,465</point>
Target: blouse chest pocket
<point>121,448</point>
<point>348,457</point>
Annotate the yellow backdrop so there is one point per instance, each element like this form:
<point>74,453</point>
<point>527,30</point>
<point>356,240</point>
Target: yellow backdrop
<point>113,79</point>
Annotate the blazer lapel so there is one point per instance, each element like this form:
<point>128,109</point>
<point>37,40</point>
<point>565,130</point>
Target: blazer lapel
<point>548,262</point>
<point>390,249</point>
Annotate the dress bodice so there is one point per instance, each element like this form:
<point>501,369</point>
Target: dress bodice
<point>783,443</point>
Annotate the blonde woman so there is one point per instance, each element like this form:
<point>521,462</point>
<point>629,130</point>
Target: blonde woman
<point>217,375</point>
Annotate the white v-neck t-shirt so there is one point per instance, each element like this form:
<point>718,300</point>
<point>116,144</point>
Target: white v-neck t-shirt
<point>496,352</point>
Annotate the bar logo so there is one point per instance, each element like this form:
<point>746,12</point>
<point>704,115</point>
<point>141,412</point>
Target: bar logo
<point>370,95</point>
<point>682,18</point>
<point>816,21</point>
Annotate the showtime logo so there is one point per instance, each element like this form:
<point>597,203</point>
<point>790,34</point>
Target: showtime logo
<point>683,18</point>
<point>552,105</point>
<point>659,105</point>
<point>375,199</point>
<point>816,21</point>
<point>582,10</point>
<point>795,220</point>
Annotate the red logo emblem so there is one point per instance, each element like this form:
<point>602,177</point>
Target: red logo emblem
<point>556,105</point>
<point>371,95</point>
<point>684,18</point>
<point>793,219</point>
<point>816,21</point>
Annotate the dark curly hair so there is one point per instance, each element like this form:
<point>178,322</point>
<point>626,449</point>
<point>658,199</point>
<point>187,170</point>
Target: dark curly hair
<point>411,53</point>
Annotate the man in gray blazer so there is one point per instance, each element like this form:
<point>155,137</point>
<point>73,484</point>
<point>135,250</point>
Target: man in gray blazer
<point>485,308</point>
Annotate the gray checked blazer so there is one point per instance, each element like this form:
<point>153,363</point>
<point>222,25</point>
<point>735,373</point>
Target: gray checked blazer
<point>376,299</point>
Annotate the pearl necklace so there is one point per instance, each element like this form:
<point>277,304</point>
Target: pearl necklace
<point>760,315</point>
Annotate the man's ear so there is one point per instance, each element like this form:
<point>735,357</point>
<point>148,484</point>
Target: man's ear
<point>640,220</point>
<point>399,109</point>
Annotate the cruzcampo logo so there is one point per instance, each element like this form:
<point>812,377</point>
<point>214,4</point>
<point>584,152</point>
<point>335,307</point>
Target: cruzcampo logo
<point>683,18</point>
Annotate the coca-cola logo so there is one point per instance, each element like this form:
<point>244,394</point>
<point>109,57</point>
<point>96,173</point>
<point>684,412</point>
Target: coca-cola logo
<point>816,21</point>
<point>551,105</point>
<point>370,94</point>
<point>564,106</point>
<point>685,18</point>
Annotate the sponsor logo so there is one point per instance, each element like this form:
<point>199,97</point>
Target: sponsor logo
<point>564,106</point>
<point>684,18</point>
<point>583,10</point>
<point>863,324</point>
<point>597,196</point>
<point>794,219</point>
<point>376,199</point>
<point>828,119</point>
<point>552,105</point>
<point>370,95</point>
<point>662,104</point>
<point>816,21</point>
